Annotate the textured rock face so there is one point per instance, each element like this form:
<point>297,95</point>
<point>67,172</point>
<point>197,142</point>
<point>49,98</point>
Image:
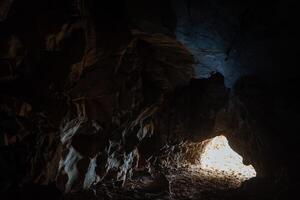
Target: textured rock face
<point>237,39</point>
<point>123,97</point>
<point>116,106</point>
<point>103,88</point>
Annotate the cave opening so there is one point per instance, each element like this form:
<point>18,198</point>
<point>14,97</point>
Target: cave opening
<point>219,160</point>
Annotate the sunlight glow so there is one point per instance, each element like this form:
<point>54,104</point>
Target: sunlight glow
<point>218,158</point>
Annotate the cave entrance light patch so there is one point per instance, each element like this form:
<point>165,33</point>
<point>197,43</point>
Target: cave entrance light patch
<point>218,160</point>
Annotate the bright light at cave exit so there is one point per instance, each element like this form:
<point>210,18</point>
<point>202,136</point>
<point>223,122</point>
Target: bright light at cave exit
<point>218,157</point>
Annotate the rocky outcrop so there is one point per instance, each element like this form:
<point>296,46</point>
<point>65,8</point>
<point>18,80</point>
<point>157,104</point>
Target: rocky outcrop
<point>116,108</point>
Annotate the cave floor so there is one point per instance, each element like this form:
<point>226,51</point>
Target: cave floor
<point>182,184</point>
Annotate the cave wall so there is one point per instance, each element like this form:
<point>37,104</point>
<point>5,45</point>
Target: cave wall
<point>239,38</point>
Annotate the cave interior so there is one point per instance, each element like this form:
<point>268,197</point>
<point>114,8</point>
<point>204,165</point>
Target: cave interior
<point>137,99</point>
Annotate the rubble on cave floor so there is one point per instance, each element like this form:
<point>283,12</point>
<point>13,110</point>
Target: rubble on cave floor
<point>182,184</point>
